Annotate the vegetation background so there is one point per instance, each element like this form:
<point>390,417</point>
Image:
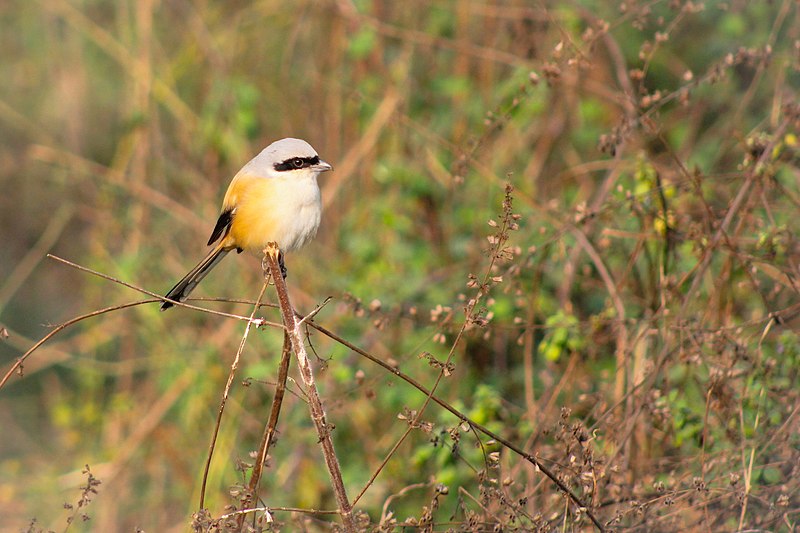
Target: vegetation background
<point>637,332</point>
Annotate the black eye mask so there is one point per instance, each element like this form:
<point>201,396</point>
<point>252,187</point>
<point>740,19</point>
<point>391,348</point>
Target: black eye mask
<point>295,163</point>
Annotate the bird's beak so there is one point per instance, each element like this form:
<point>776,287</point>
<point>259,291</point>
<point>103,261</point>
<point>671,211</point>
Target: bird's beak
<point>322,166</point>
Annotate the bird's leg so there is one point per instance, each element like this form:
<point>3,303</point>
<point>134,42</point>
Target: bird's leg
<point>273,250</point>
<point>284,273</point>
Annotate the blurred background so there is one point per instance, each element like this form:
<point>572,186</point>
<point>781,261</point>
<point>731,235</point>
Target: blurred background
<point>636,331</point>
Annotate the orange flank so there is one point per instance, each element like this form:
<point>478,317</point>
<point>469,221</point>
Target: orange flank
<point>254,222</point>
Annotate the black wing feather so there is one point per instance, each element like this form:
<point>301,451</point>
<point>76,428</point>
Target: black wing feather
<point>223,224</point>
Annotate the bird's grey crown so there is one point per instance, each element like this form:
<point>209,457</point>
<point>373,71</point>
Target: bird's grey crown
<point>278,152</point>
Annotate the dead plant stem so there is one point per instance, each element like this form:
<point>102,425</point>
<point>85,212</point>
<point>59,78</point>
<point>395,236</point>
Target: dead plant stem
<point>231,375</point>
<point>272,423</point>
<point>294,330</point>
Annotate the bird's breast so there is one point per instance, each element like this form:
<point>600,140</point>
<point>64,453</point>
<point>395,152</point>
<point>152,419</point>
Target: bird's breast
<point>285,211</point>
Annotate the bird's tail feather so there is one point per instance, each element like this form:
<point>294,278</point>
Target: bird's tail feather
<point>182,289</point>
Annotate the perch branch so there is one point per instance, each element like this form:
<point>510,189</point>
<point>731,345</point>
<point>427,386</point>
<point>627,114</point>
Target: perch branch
<point>294,330</point>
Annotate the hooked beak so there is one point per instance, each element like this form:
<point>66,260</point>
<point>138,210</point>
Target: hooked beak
<point>322,166</point>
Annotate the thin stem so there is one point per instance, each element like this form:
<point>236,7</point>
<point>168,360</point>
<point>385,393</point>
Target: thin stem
<point>463,417</point>
<point>272,423</point>
<point>294,330</point>
<point>231,374</point>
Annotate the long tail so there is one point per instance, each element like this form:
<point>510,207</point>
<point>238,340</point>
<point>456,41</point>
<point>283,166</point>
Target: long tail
<point>182,289</point>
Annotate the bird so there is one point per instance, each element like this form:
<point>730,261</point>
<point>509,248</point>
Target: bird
<point>273,198</point>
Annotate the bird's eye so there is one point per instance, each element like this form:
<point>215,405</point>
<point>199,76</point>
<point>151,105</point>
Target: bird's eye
<point>297,162</point>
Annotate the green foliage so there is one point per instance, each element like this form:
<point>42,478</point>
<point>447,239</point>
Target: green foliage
<point>562,337</point>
